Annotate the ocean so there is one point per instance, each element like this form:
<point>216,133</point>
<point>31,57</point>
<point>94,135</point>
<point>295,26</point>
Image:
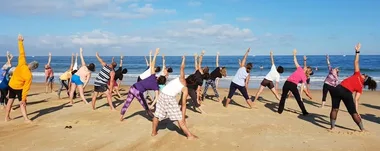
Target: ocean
<point>369,64</point>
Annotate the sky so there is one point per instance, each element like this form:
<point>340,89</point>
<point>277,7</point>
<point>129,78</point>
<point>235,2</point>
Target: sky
<point>133,27</point>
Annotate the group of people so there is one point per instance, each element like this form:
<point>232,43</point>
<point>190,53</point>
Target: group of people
<point>164,104</point>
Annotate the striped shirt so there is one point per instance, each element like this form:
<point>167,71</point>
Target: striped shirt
<point>103,76</point>
<point>332,77</point>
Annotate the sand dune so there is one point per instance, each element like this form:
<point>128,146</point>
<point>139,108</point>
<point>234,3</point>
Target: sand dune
<point>232,128</point>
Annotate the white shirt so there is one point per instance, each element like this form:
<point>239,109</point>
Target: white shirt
<point>146,74</point>
<point>173,88</point>
<point>273,75</point>
<point>240,76</point>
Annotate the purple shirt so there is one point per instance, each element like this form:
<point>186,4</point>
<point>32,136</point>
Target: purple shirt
<point>149,83</point>
<point>332,77</point>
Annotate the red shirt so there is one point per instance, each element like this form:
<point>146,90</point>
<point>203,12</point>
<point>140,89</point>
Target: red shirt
<point>354,83</point>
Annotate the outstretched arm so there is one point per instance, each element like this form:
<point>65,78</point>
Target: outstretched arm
<point>21,56</point>
<point>146,61</point>
<point>328,61</point>
<point>200,61</point>
<point>182,71</point>
<point>153,63</point>
<point>121,61</point>
<point>240,63</point>
<point>304,63</point>
<point>271,57</point>
<point>295,58</point>
<point>163,63</point>
<point>72,62</point>
<point>245,58</point>
<point>81,57</point>
<point>196,61</point>
<point>155,100</point>
<point>217,59</point>
<point>9,58</point>
<point>49,60</point>
<point>356,62</point>
<point>100,59</point>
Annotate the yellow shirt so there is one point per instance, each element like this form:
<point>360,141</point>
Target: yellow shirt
<point>65,76</point>
<point>22,76</point>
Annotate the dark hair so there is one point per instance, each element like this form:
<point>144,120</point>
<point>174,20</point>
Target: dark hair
<point>161,80</point>
<point>190,80</point>
<point>206,76</point>
<point>158,69</point>
<point>249,66</point>
<point>280,69</point>
<point>124,71</point>
<point>372,85</point>
<point>206,69</point>
<point>169,69</point>
<point>91,67</point>
<point>114,64</point>
<point>73,72</point>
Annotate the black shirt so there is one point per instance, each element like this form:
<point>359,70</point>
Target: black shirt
<point>215,74</point>
<point>198,80</point>
<point>118,74</point>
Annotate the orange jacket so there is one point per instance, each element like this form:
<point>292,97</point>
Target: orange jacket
<point>22,76</point>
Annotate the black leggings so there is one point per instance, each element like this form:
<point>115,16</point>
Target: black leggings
<point>4,93</point>
<point>326,88</point>
<point>338,94</point>
<point>289,86</point>
<point>193,95</point>
<point>242,89</point>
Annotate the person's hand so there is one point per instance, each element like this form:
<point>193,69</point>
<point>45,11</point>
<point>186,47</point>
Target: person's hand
<point>249,49</point>
<point>271,52</point>
<point>183,57</point>
<point>195,55</point>
<point>203,52</point>
<point>20,38</point>
<point>357,47</point>
<point>157,51</point>
<point>327,57</point>
<point>80,50</point>
<point>217,53</point>
<point>294,51</point>
<point>304,58</point>
<point>121,57</point>
<point>10,56</point>
<point>7,53</point>
<point>150,53</point>
<point>49,54</point>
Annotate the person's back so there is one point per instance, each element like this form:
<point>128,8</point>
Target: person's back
<point>240,76</point>
<point>82,73</point>
<point>273,74</point>
<point>173,88</point>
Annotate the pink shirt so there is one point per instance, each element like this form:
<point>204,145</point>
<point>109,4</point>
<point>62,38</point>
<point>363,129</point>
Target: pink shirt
<point>49,72</point>
<point>297,76</point>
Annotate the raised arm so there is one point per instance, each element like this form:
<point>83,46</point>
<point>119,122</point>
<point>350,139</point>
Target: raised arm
<point>328,61</point>
<point>150,58</point>
<point>76,62</point>
<point>200,61</point>
<point>9,58</point>
<point>121,61</point>
<point>72,62</point>
<point>271,57</point>
<point>356,62</point>
<point>182,70</point>
<point>81,57</point>
<point>295,58</point>
<point>49,60</point>
<point>146,61</point>
<point>21,56</point>
<point>217,59</point>
<point>153,63</point>
<point>196,61</point>
<point>100,59</point>
<point>304,63</point>
<point>163,63</point>
<point>244,60</point>
<point>239,62</point>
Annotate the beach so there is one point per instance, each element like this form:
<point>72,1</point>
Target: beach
<point>232,128</point>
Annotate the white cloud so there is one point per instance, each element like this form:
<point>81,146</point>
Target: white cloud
<point>194,3</point>
<point>244,19</point>
<point>197,21</point>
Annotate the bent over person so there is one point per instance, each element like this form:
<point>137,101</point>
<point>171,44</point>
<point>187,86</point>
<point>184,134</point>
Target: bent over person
<point>20,82</point>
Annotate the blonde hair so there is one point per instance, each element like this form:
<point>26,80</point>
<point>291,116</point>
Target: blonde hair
<point>223,71</point>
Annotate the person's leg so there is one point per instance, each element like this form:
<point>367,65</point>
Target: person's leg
<point>185,130</point>
<point>73,87</point>
<point>24,113</point>
<point>348,101</point>
<point>108,93</point>
<point>205,90</point>
<point>81,93</point>
<point>154,126</point>
<point>284,95</point>
<point>46,84</point>
<point>141,99</point>
<point>335,103</point>
<point>275,93</point>
<point>213,85</point>
<point>128,101</point>
<point>193,95</point>
<point>261,88</point>
<point>60,89</point>
<point>93,100</point>
<point>324,94</point>
<point>243,91</point>
<point>8,109</point>
<point>51,85</point>
<point>296,94</point>
<point>2,97</point>
<point>231,92</point>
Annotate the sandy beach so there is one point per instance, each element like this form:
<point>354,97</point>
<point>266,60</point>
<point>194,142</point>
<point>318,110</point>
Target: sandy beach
<point>232,128</point>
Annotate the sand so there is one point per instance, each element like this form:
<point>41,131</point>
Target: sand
<point>232,128</point>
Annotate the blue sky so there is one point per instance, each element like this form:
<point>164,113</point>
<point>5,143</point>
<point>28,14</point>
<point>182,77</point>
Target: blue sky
<point>133,27</point>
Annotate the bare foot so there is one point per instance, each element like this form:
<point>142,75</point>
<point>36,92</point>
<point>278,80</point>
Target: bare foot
<point>8,119</point>
<point>28,121</point>
<point>331,130</point>
<point>192,137</point>
<point>71,104</point>
<point>121,118</point>
<point>154,133</point>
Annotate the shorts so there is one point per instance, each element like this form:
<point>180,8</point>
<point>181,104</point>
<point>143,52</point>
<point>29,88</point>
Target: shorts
<point>308,80</point>
<point>267,83</point>
<point>76,80</point>
<point>114,83</point>
<point>102,88</point>
<point>167,107</point>
<point>50,79</point>
<point>15,93</point>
